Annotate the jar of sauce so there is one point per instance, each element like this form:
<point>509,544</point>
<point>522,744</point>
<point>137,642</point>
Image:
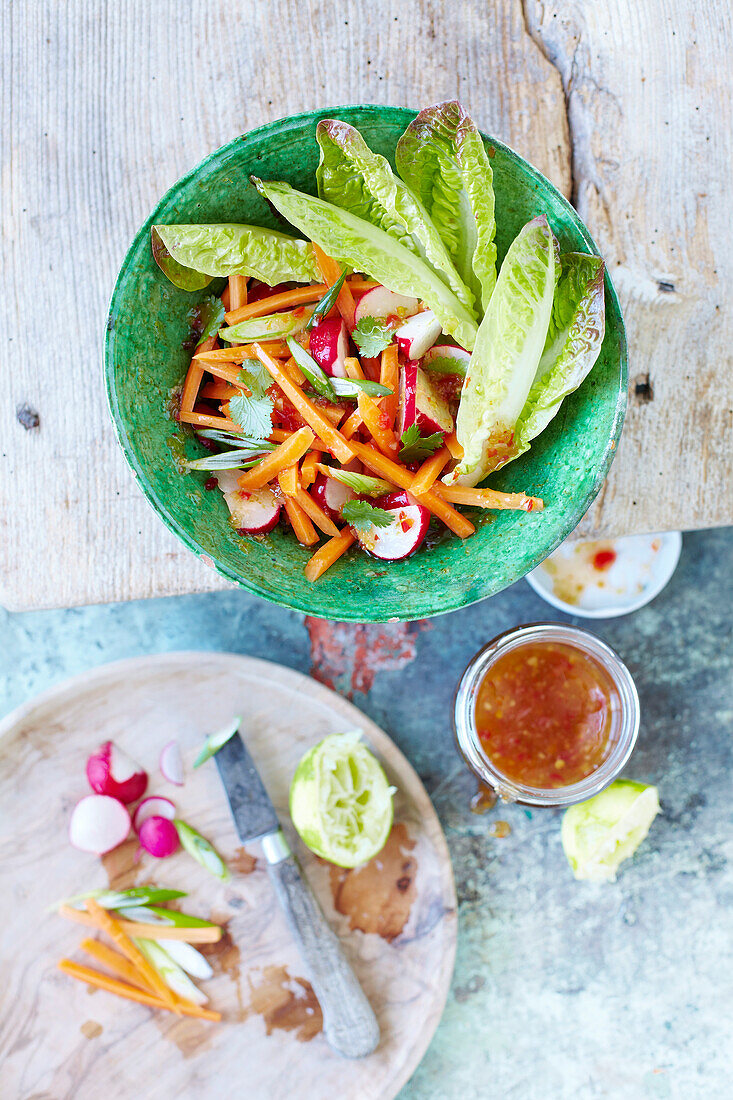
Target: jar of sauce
<point>546,714</point>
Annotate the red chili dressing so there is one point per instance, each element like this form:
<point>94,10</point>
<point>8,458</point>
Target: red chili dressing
<point>543,714</point>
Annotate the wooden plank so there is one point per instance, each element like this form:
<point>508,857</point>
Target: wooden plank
<point>107,104</point>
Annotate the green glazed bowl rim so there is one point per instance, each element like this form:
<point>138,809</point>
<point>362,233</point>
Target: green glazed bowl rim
<point>295,601</point>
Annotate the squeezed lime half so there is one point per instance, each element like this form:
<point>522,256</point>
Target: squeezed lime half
<point>598,835</point>
<point>340,800</point>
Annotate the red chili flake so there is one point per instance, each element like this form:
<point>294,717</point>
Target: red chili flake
<point>406,524</point>
<point>244,495</point>
<point>210,483</point>
<point>604,559</point>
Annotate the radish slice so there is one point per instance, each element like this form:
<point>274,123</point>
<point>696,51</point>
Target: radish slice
<point>188,958</point>
<point>171,763</point>
<point>331,495</point>
<point>153,806</point>
<point>418,334</point>
<point>329,346</point>
<point>253,512</point>
<point>159,836</point>
<point>407,531</point>
<point>98,824</point>
<point>112,772</point>
<point>422,403</point>
<point>384,303</point>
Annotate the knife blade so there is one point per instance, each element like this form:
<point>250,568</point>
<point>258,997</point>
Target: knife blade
<point>349,1023</point>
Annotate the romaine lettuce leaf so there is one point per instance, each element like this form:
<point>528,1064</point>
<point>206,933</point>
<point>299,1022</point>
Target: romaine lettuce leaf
<point>507,351</point>
<point>266,254</point>
<point>185,278</point>
<point>441,156</point>
<point>353,177</point>
<point>574,338</point>
<point>367,248</point>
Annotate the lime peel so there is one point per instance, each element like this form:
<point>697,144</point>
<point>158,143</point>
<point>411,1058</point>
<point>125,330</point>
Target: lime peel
<point>598,835</point>
<point>340,800</point>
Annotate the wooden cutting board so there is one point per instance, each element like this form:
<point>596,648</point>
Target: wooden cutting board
<point>396,916</point>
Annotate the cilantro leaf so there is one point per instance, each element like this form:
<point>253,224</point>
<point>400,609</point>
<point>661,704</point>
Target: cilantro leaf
<point>361,514</point>
<point>445,364</point>
<point>255,377</point>
<point>371,336</point>
<point>362,484</point>
<point>252,414</point>
<point>415,447</point>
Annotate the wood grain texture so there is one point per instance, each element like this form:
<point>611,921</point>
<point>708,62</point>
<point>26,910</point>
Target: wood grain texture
<point>58,1041</point>
<point>107,104</point>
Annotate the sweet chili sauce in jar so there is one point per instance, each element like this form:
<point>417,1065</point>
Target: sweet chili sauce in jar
<point>546,714</point>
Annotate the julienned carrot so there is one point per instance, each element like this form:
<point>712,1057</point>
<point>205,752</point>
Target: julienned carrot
<point>194,375</point>
<point>329,436</point>
<point>143,931</point>
<point>352,366</point>
<point>351,425</point>
<point>389,376</point>
<point>203,420</point>
<point>401,476</point>
<point>429,471</point>
<point>237,353</point>
<point>359,286</point>
<point>309,468</point>
<point>287,479</point>
<point>304,530</point>
<point>225,297</point>
<point>130,993</point>
<point>226,372</point>
<point>378,423</point>
<point>331,273</point>
<point>456,450</point>
<point>297,297</point>
<point>148,973</point>
<point>120,966</point>
<point>293,371</point>
<point>237,292</point>
<point>327,554</point>
<point>314,512</point>
<point>488,498</point>
<point>218,391</point>
<point>286,454</point>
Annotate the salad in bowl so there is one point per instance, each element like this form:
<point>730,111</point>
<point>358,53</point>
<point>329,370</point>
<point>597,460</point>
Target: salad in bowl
<point>359,383</point>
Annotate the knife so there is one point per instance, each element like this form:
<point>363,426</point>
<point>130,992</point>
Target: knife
<point>349,1023</point>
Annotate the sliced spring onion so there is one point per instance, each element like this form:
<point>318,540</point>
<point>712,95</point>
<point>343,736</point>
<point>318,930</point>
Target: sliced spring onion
<point>362,484</point>
<point>202,850</point>
<point>186,955</point>
<point>172,974</point>
<point>214,741</point>
<point>326,302</point>
<point>154,914</point>
<point>352,387</point>
<point>317,377</point>
<point>228,460</point>
<point>121,899</point>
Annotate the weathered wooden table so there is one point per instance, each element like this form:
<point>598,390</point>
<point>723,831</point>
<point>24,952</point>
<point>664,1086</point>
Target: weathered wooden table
<point>625,106</point>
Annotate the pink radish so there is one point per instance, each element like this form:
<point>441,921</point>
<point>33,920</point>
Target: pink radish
<point>329,346</point>
<point>171,763</point>
<point>384,303</point>
<point>111,771</point>
<point>406,533</point>
<point>422,403</point>
<point>418,334</point>
<point>159,836</point>
<point>331,495</point>
<point>448,351</point>
<point>98,824</point>
<point>153,806</point>
<point>253,512</point>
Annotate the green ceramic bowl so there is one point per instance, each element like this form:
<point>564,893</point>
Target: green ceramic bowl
<point>146,360</point>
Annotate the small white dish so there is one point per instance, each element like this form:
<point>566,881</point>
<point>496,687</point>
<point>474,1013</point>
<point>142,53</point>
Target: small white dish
<point>608,577</point>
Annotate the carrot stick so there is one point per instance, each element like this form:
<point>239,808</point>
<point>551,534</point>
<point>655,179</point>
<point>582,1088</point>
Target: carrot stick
<point>294,372</point>
<point>308,468</point>
<point>143,931</point>
<point>327,554</point>
<point>331,438</point>
<point>304,530</point>
<point>225,297</point>
<point>456,450</point>
<point>331,273</point>
<point>117,963</point>
<point>351,425</point>
<point>378,423</point>
<point>204,420</point>
<point>237,292</point>
<point>218,391</point>
<point>226,372</point>
<point>193,377</point>
<point>286,454</point>
<point>352,366</point>
<point>401,476</point>
<point>429,471</point>
<point>314,511</point>
<point>488,498</point>
<point>121,989</point>
<point>297,297</point>
<point>150,975</point>
<point>237,353</point>
<point>389,376</point>
<point>359,286</point>
<point>287,479</point>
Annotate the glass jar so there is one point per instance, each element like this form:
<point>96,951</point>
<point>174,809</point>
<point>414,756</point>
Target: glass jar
<point>624,717</point>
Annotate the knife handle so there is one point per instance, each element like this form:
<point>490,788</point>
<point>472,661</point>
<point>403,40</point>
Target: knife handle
<point>350,1025</point>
